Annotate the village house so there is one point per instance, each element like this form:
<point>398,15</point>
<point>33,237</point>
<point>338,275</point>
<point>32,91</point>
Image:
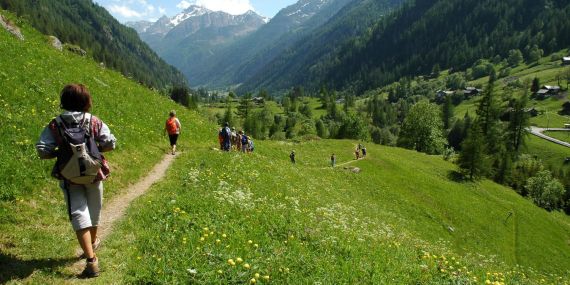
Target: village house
<point>552,89</point>
<point>258,100</point>
<point>441,94</point>
<point>566,60</point>
<point>547,90</point>
<point>471,91</point>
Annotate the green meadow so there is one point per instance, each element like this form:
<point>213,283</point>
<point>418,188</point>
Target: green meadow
<point>232,218</point>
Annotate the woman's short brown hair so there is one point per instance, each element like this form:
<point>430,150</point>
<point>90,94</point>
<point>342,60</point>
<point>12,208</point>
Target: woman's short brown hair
<point>75,97</point>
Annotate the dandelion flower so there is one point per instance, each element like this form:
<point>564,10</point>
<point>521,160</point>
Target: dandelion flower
<point>252,281</point>
<point>246,266</point>
<point>256,245</point>
<point>257,275</point>
<point>224,235</point>
<point>218,241</point>
<point>231,262</point>
<point>206,229</point>
<point>250,241</point>
<point>239,260</point>
<point>266,277</point>
<point>220,271</point>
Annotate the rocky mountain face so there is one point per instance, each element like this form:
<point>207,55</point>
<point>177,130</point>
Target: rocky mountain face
<point>192,36</point>
<point>238,61</point>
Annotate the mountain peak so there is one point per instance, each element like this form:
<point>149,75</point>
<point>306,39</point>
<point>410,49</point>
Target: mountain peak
<point>192,11</point>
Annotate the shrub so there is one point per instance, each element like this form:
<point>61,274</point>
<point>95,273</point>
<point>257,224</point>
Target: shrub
<point>545,191</point>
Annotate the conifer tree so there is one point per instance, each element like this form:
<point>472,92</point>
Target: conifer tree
<point>518,123</point>
<point>447,112</point>
<point>472,160</point>
<point>535,85</point>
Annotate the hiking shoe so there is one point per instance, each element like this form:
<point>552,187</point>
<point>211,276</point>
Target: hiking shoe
<point>91,269</point>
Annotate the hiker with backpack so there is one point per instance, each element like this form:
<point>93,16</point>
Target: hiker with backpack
<point>234,139</point>
<point>172,128</point>
<point>292,156</point>
<point>363,148</point>
<point>238,140</point>
<point>251,145</point>
<point>77,139</point>
<point>357,152</point>
<point>244,142</point>
<point>226,136</point>
<point>220,139</point>
<point>333,160</point>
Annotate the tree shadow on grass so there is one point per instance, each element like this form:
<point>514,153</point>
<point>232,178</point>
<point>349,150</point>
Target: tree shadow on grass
<point>14,268</point>
<point>455,176</point>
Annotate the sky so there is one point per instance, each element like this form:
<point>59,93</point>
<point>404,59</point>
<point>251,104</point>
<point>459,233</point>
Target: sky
<point>151,10</point>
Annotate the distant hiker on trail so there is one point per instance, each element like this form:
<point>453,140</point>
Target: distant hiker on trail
<point>220,138</point>
<point>251,145</point>
<point>333,160</point>
<point>234,139</point>
<point>363,148</point>
<point>172,128</point>
<point>238,140</point>
<point>244,142</point>
<point>77,138</point>
<point>226,136</point>
<point>357,153</point>
<point>292,156</point>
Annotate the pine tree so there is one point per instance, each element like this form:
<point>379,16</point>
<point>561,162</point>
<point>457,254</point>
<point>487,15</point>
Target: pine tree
<point>518,123</point>
<point>472,160</point>
<point>447,112</point>
<point>228,115</point>
<point>535,85</point>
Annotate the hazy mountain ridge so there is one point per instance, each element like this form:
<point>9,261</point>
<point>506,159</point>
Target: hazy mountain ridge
<point>300,65</point>
<point>237,62</point>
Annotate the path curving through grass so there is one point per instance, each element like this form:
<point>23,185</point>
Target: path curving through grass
<point>115,209</point>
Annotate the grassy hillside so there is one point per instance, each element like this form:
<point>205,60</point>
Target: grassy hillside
<point>35,236</point>
<point>402,220</point>
<point>309,223</point>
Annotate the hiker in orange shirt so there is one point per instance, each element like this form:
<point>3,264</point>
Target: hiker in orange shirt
<point>172,127</point>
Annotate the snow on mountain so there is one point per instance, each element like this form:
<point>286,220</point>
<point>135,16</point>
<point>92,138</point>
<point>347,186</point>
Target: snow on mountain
<point>192,11</point>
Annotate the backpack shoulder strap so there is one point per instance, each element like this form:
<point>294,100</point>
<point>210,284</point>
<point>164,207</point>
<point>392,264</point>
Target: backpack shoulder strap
<point>96,125</point>
<point>55,128</point>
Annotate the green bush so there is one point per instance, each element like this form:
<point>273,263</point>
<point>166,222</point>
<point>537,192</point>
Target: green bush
<point>545,191</point>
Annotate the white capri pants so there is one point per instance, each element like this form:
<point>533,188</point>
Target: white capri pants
<point>84,203</point>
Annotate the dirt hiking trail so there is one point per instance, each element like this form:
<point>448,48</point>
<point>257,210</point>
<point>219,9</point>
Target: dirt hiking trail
<point>115,209</point>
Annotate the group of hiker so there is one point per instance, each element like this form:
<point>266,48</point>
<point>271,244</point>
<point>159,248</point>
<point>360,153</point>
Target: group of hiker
<point>230,139</point>
<point>360,148</point>
<point>78,140</point>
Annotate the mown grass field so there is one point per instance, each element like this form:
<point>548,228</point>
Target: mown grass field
<point>405,219</point>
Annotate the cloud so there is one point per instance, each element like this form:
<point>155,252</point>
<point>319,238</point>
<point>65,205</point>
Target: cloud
<point>161,10</point>
<point>124,11</point>
<point>183,5</point>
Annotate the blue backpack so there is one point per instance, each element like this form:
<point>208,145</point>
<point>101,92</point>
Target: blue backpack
<point>244,139</point>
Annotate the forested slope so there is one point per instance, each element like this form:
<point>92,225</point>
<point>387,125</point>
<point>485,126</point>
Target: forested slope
<point>83,23</point>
